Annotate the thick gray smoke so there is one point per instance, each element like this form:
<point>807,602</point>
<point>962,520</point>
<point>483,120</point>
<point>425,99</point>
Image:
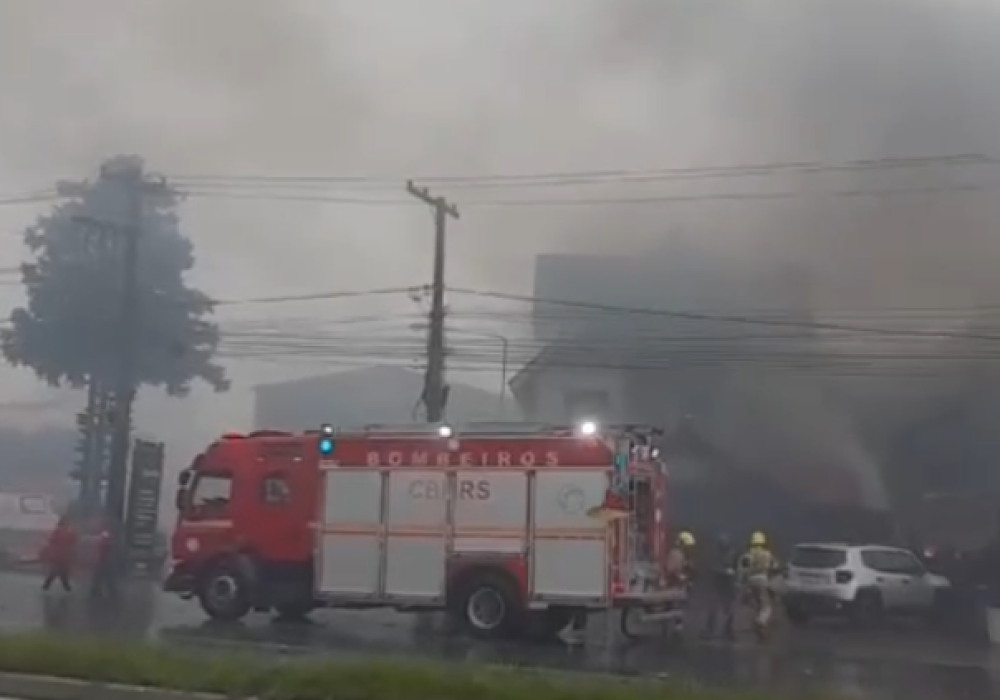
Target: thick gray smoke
<point>477,86</point>
<point>838,81</point>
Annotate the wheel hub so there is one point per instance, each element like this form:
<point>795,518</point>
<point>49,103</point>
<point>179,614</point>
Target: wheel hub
<point>486,609</point>
<point>223,590</point>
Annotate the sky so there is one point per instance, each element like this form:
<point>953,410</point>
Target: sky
<point>394,89</point>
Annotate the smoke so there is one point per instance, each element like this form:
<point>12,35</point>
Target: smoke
<point>834,82</point>
<point>476,86</point>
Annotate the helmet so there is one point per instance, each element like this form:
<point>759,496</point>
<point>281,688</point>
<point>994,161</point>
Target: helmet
<point>685,539</point>
<point>758,539</point>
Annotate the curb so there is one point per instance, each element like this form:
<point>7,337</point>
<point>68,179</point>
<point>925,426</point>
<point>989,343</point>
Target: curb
<point>21,686</point>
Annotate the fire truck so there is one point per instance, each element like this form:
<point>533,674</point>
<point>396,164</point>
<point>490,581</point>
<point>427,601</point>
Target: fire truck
<point>513,528</point>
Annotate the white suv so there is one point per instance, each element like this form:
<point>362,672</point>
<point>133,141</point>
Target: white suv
<point>863,581</point>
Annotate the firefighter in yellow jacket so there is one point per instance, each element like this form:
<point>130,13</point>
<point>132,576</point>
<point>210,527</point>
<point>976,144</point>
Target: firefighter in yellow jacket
<point>680,560</point>
<point>757,566</point>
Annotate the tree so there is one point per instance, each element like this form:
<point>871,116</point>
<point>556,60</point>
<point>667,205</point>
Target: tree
<point>68,332</point>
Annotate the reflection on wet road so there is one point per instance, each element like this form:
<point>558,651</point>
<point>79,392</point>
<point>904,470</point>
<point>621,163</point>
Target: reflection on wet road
<point>905,662</point>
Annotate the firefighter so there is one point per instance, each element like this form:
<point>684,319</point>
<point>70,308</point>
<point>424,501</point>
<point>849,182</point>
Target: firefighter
<point>722,588</point>
<point>58,555</point>
<point>680,560</point>
<point>757,566</point>
<point>679,572</point>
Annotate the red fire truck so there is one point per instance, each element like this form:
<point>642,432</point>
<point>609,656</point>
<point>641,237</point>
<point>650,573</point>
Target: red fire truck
<point>511,527</point>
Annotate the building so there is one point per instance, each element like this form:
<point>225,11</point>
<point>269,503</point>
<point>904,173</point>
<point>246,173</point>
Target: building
<point>26,520</point>
<point>693,373</point>
<point>360,397</point>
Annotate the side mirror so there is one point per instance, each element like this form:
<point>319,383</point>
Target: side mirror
<point>181,500</point>
<point>184,479</point>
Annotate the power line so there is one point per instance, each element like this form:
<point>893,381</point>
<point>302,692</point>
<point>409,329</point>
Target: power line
<point>30,198</point>
<point>726,318</point>
<point>716,197</point>
<point>605,175</point>
<point>314,296</point>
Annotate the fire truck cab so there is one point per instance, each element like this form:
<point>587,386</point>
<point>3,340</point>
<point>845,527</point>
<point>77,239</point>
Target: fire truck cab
<point>514,528</point>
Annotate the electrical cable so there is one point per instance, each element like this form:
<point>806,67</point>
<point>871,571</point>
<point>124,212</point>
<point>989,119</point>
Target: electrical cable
<point>605,175</point>
<point>725,318</point>
<point>714,197</point>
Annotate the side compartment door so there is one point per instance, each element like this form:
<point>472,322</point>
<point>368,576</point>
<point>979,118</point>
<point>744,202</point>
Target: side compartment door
<point>416,533</point>
<point>569,549</point>
<point>490,512</point>
<point>350,542</point>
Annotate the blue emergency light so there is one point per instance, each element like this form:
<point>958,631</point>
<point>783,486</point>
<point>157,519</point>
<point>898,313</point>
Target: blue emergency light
<point>621,463</point>
<point>326,442</point>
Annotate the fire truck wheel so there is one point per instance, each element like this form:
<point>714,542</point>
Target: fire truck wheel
<point>488,606</point>
<point>224,592</point>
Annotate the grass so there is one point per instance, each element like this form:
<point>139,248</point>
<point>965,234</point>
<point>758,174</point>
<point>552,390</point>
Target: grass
<point>311,679</point>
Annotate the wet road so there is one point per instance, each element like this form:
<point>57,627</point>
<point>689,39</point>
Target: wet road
<point>902,662</point>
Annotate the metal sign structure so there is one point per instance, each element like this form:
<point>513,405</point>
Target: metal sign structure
<point>143,506</point>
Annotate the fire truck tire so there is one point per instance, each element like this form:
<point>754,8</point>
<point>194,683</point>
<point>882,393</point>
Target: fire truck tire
<point>488,606</point>
<point>224,591</point>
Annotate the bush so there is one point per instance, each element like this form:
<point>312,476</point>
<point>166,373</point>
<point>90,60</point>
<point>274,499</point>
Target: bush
<point>311,679</point>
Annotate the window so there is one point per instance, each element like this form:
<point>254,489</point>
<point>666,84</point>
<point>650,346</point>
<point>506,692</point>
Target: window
<point>890,561</point>
<point>275,490</point>
<point>212,492</point>
<point>818,557</point>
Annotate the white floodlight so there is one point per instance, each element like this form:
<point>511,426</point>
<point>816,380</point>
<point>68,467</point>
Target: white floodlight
<point>445,431</point>
<point>588,428</point>
<point>326,429</point>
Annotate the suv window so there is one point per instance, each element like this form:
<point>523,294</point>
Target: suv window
<point>889,561</point>
<point>818,557</point>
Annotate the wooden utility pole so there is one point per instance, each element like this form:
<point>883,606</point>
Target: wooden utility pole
<point>435,389</point>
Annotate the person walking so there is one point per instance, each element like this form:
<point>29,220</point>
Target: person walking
<point>757,566</point>
<point>58,555</point>
<point>722,589</point>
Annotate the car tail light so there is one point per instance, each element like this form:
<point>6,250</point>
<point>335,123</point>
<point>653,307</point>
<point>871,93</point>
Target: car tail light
<point>844,577</point>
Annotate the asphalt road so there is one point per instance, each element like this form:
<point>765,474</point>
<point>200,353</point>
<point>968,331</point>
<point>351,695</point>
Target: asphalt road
<point>906,661</point>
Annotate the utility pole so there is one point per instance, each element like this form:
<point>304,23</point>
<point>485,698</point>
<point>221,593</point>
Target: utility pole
<point>132,184</point>
<point>435,389</point>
